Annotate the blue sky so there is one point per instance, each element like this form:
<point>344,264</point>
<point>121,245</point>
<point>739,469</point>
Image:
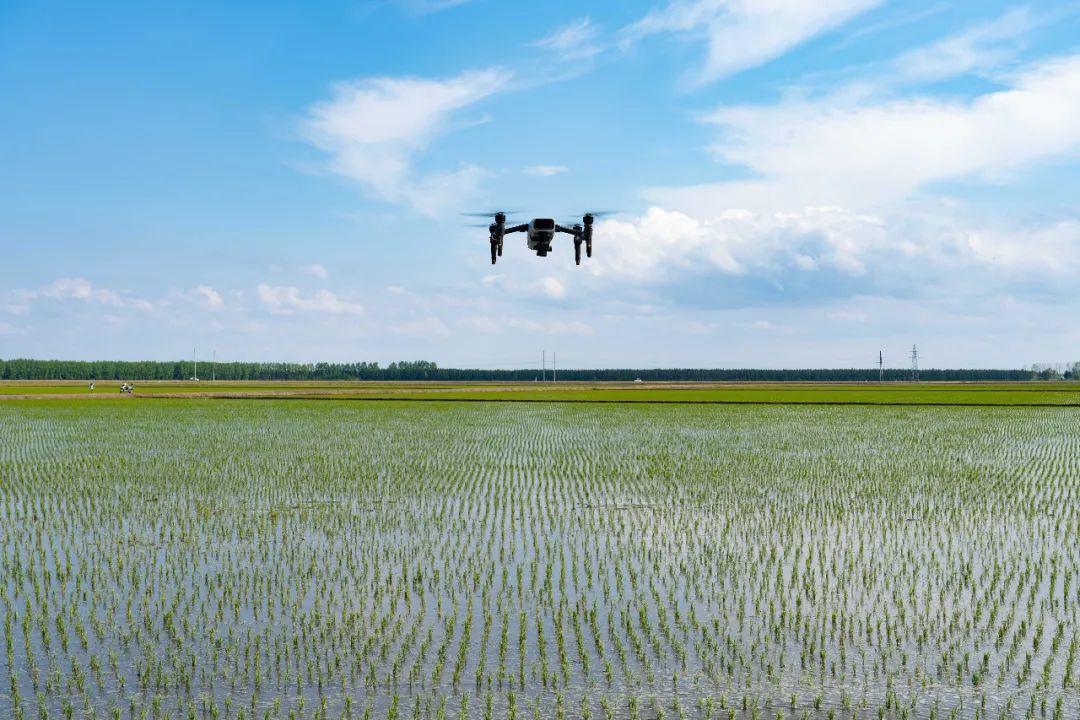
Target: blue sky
<point>801,182</point>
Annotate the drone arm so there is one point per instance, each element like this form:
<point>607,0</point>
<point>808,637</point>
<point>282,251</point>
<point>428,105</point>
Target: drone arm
<point>516,228</point>
<point>568,231</point>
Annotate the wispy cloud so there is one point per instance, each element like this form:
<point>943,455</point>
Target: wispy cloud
<point>852,151</point>
<point>978,48</point>
<point>77,289</point>
<point>577,40</point>
<point>288,300</point>
<point>546,170</point>
<point>315,270</point>
<point>904,17</point>
<point>546,287</point>
<point>207,297</point>
<point>372,130</point>
<point>739,35</point>
<point>426,7</point>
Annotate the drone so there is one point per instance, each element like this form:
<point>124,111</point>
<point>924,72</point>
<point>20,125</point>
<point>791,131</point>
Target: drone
<point>540,233</point>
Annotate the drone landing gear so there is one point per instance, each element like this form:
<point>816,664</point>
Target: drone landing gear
<point>577,252</point>
<point>495,252</point>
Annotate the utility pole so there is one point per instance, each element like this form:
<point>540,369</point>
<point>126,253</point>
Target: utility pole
<point>914,363</point>
<point>195,357</point>
<point>552,366</point>
<point>543,366</point>
<point>880,366</point>
<point>213,367</point>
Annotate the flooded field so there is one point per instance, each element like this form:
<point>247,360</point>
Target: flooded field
<point>335,559</point>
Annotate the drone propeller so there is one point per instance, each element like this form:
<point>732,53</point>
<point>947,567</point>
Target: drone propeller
<point>490,214</point>
<point>596,215</point>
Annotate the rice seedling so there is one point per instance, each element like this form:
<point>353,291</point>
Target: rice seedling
<point>295,559</point>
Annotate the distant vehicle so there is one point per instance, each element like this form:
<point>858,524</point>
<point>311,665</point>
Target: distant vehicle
<point>540,232</point>
<point>193,379</point>
<point>127,388</point>
<point>637,380</point>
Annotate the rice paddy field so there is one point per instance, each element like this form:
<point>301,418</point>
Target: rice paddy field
<point>209,558</point>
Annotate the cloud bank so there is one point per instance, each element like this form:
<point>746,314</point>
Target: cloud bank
<point>372,129</point>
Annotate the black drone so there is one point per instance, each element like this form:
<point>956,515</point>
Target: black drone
<point>540,233</point>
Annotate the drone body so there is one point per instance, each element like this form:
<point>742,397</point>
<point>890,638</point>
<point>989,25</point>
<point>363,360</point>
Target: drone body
<point>540,233</point>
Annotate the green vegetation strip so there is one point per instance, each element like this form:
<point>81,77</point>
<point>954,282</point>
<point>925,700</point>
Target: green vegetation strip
<point>989,394</point>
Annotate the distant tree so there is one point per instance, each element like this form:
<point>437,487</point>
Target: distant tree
<point>26,369</point>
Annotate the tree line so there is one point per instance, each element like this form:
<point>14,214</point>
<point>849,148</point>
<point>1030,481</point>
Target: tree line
<point>26,369</point>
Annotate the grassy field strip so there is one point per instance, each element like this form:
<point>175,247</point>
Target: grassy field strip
<point>644,398</point>
<point>154,386</point>
<point>1018,394</point>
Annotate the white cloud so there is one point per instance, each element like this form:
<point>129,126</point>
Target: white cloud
<point>741,34</point>
<point>576,40</point>
<point>314,270</point>
<point>1049,251</point>
<point>208,297</point>
<point>288,300</point>
<point>79,290</point>
<point>842,186</point>
<point>735,242</point>
<point>546,170</point>
<point>553,288</point>
<point>548,286</point>
<point>978,48</point>
<point>372,129</point>
<point>863,153</point>
<point>911,247</point>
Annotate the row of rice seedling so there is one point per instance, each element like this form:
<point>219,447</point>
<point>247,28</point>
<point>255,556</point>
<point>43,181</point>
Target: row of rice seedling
<point>212,559</point>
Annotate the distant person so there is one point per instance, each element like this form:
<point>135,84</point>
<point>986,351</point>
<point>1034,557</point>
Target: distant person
<point>91,386</point>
